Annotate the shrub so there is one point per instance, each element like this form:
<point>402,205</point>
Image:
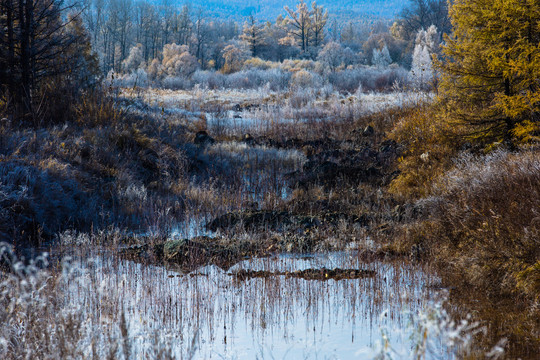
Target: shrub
<point>260,64</point>
<point>428,150</point>
<point>369,77</point>
<point>485,222</point>
<point>177,61</point>
<point>304,79</point>
<point>209,79</point>
<point>176,83</point>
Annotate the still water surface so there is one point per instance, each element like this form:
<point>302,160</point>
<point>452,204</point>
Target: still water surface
<point>210,314</point>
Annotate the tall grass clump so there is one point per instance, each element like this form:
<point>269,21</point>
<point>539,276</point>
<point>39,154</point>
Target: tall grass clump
<point>33,322</point>
<point>485,223</point>
<point>63,313</point>
<point>429,146</point>
<point>433,334</point>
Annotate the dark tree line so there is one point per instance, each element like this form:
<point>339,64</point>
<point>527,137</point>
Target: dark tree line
<point>41,50</point>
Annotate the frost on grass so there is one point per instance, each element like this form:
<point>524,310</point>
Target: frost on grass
<point>42,315</point>
<point>432,334</point>
<point>40,196</point>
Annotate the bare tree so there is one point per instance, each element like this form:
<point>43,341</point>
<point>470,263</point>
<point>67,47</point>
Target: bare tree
<point>421,14</point>
<point>200,37</point>
<point>183,26</point>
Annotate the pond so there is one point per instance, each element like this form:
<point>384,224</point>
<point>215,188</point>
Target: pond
<point>212,314</point>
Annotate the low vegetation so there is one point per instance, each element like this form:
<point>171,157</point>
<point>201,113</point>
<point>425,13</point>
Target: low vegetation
<point>271,140</point>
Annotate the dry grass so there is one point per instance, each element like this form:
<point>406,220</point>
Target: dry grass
<point>429,145</point>
<point>485,222</point>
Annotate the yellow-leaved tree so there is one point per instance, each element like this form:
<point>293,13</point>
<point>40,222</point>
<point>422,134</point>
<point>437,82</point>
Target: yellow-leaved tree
<point>490,70</point>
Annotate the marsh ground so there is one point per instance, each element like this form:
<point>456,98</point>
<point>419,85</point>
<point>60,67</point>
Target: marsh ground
<point>191,188</point>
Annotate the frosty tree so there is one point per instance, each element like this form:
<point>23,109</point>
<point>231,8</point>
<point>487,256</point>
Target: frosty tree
<point>381,58</point>
<point>177,61</point>
<point>135,59</point>
<point>333,56</point>
<point>422,75</point>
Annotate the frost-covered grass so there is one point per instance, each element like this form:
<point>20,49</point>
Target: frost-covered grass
<point>433,334</point>
<point>257,156</point>
<point>486,221</point>
<point>100,306</point>
<point>57,178</point>
<point>40,320</point>
<point>300,112</point>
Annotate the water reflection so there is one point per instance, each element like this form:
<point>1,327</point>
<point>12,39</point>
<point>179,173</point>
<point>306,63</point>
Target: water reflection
<point>209,314</point>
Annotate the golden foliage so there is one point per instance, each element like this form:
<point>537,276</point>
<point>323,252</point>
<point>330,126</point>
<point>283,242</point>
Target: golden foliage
<point>491,69</point>
<point>429,143</point>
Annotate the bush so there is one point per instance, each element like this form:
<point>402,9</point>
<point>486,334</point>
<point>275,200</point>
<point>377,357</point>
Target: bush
<point>209,79</point>
<point>274,79</point>
<point>428,150</point>
<point>369,77</point>
<point>485,222</point>
<point>259,64</point>
<point>135,78</point>
<point>176,83</point>
<point>304,79</point>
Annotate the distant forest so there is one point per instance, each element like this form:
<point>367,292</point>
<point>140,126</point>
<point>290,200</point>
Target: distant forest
<point>269,30</point>
<point>342,10</point>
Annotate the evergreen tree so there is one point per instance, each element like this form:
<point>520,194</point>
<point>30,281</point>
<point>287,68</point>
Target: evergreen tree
<point>491,69</point>
<point>41,51</point>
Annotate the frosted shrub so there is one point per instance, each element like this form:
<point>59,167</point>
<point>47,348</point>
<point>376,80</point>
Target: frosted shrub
<point>176,83</point>
<point>305,79</point>
<point>138,77</point>
<point>155,69</point>
<point>275,79</point>
<point>234,56</point>
<point>177,61</point>
<point>135,59</point>
<point>301,97</point>
<point>209,79</point>
<point>370,78</point>
<point>297,65</point>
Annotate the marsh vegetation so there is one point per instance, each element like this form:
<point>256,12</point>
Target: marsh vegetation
<point>174,185</point>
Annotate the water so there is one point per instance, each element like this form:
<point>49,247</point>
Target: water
<point>209,314</point>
